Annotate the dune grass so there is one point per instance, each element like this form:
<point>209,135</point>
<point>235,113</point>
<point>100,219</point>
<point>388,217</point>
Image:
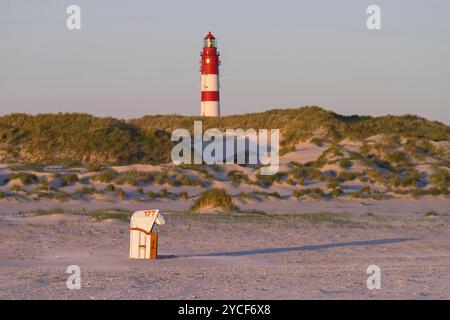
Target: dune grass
<point>214,198</point>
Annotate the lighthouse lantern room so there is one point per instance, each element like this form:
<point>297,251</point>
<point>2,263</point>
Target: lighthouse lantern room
<point>209,69</point>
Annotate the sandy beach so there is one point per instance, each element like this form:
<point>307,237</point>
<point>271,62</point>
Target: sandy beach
<point>229,256</point>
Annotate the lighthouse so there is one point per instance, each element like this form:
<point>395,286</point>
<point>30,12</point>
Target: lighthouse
<point>209,68</point>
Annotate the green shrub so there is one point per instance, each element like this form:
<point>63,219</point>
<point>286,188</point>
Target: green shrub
<point>215,198</point>
<point>106,176</point>
<point>244,195</point>
<point>173,181</point>
<point>139,190</point>
<point>17,188</point>
<point>163,193</point>
<point>86,191</point>
<point>392,140</point>
<point>122,195</point>
<point>161,177</point>
<point>417,193</point>
<point>367,192</point>
<point>119,214</point>
<point>61,196</point>
<point>94,167</point>
<point>183,195</point>
<point>365,189</point>
<point>336,192</point>
<point>316,193</point>
<point>69,179</point>
<point>27,167</point>
<point>431,213</point>
<point>215,167</point>
<point>441,178</point>
<point>56,175</point>
<point>365,149</point>
<point>345,163</point>
<point>199,168</point>
<point>268,180</point>
<point>308,171</point>
<point>44,184</point>
<point>333,184</point>
<point>110,187</point>
<point>348,176</point>
<point>185,180</point>
<point>317,141</point>
<point>266,194</point>
<point>151,195</point>
<point>134,177</point>
<point>237,177</point>
<point>405,178</point>
<point>25,177</point>
<point>291,182</point>
<point>397,157</point>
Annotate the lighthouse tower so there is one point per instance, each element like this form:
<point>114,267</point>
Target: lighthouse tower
<point>209,69</point>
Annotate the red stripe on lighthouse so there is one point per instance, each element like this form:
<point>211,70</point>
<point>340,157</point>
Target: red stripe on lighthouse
<point>210,96</point>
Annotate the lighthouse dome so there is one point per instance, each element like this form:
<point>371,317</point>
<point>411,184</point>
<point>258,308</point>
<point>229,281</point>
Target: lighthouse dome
<point>209,36</point>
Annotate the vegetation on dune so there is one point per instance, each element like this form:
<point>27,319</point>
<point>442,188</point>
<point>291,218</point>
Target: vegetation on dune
<point>121,193</point>
<point>405,155</point>
<point>86,191</point>
<point>84,139</point>
<point>25,177</point>
<point>183,195</point>
<point>202,169</point>
<point>118,214</point>
<point>238,177</point>
<point>441,179</point>
<point>61,138</point>
<point>345,163</point>
<point>318,141</point>
<point>69,179</point>
<point>134,177</point>
<point>268,180</point>
<point>315,193</point>
<point>38,167</point>
<point>94,167</point>
<point>265,194</point>
<point>106,176</point>
<point>110,188</point>
<point>214,198</point>
<point>348,176</point>
<point>17,188</point>
<point>307,171</point>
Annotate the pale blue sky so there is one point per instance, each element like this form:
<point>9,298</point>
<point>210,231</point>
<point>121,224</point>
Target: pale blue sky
<point>139,57</point>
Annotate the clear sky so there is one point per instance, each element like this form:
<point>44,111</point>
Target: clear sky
<point>139,57</point>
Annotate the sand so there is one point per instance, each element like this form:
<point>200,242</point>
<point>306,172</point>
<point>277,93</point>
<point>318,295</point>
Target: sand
<point>229,257</point>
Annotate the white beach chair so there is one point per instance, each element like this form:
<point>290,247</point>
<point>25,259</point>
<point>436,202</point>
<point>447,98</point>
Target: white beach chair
<point>144,242</point>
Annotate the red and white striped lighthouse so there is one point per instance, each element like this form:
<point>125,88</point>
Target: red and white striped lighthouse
<point>210,106</point>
